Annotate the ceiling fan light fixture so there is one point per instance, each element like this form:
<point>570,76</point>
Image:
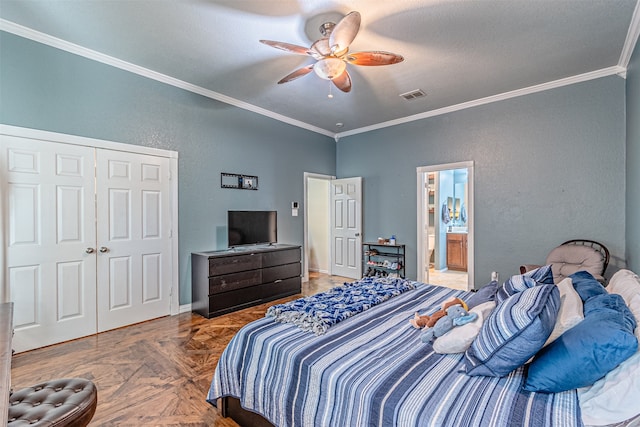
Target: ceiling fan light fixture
<point>329,68</point>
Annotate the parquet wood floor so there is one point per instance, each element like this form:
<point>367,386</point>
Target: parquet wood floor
<point>155,373</point>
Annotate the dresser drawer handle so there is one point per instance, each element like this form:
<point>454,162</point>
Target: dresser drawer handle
<point>278,281</point>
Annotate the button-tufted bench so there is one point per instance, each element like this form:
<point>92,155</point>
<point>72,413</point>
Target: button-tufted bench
<point>56,403</point>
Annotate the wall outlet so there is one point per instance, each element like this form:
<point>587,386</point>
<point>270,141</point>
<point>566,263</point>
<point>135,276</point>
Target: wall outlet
<point>494,276</point>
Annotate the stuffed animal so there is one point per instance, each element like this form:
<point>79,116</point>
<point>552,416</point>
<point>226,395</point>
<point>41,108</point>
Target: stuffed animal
<point>456,316</point>
<point>420,322</point>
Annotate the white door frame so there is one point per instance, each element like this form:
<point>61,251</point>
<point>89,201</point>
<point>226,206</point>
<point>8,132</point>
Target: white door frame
<point>305,261</point>
<point>98,143</point>
<point>422,232</point>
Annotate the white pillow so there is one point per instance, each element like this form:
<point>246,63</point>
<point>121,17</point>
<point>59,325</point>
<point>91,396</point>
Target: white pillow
<point>458,339</point>
<point>627,284</point>
<point>615,397</point>
<point>571,312</point>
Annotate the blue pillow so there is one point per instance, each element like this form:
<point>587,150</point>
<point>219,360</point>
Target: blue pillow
<point>516,329</point>
<point>586,285</point>
<point>588,351</point>
<point>482,295</point>
<point>520,282</point>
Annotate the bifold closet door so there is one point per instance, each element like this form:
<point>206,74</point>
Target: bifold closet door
<point>134,282</point>
<point>50,240</point>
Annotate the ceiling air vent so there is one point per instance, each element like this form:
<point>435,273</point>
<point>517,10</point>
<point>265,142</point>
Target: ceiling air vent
<point>414,94</point>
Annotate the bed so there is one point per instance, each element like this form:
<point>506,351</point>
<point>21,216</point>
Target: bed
<point>372,369</point>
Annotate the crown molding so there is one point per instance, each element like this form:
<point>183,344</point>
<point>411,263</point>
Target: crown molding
<point>489,99</point>
<point>631,40</point>
<point>28,33</point>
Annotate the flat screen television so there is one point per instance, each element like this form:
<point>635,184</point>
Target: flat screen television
<point>252,227</point>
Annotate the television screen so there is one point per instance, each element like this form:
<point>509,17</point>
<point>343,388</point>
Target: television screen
<point>252,227</point>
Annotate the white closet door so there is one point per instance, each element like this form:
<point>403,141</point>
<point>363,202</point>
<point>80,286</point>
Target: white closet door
<point>49,235</point>
<point>134,276</point>
<point>346,227</point>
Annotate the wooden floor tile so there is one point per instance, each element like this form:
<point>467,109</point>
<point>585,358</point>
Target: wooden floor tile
<point>155,373</point>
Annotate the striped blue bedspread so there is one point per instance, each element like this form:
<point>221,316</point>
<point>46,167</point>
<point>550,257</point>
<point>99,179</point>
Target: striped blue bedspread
<point>372,370</point>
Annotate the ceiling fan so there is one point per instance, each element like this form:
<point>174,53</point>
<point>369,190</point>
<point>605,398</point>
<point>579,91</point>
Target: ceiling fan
<point>332,53</point>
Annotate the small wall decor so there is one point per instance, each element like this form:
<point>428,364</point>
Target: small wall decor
<point>238,181</point>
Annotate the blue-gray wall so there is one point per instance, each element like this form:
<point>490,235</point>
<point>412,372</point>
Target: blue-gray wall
<point>633,160</point>
<point>45,88</point>
<point>549,167</point>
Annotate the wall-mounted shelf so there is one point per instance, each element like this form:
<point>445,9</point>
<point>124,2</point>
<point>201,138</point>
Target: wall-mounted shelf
<point>238,181</point>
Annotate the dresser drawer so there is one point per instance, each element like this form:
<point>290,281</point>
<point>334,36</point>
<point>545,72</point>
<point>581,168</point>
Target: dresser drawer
<point>229,282</point>
<point>232,264</point>
<point>238,299</point>
<point>280,272</point>
<point>270,259</point>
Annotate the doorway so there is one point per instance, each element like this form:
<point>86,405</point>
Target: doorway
<point>317,224</point>
<point>332,226</point>
<point>445,225</point>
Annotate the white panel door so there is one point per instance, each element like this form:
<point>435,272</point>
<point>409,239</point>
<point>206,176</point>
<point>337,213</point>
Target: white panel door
<point>134,245</point>
<point>50,240</point>
<point>346,227</point>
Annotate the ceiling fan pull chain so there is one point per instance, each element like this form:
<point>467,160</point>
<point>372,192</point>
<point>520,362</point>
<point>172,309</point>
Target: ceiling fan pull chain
<point>330,96</point>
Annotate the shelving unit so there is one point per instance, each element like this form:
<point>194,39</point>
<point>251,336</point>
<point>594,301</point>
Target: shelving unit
<point>384,259</point>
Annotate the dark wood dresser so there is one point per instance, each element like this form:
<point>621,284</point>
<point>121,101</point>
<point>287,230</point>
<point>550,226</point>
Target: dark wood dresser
<point>229,280</point>
<point>6,333</point>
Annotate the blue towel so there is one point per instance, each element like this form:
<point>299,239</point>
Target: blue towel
<point>445,214</point>
<point>463,213</point>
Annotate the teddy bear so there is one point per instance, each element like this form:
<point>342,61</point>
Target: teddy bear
<point>456,316</point>
<point>420,322</point>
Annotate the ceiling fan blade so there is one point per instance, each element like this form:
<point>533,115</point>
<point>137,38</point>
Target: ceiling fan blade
<point>373,58</point>
<point>321,47</point>
<point>344,32</point>
<point>288,47</point>
<point>296,74</point>
<point>343,81</point>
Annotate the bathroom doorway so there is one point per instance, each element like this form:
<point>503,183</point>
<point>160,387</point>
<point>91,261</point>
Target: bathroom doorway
<point>445,225</point>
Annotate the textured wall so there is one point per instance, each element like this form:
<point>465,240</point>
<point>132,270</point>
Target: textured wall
<point>548,167</point>
<point>633,160</point>
<point>45,88</point>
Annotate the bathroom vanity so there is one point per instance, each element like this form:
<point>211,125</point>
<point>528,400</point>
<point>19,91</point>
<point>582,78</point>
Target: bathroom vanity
<point>457,251</point>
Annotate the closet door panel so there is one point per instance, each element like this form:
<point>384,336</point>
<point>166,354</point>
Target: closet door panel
<point>133,191</point>
<point>50,207</point>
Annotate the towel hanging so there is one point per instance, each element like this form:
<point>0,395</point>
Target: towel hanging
<point>463,214</point>
<point>445,214</point>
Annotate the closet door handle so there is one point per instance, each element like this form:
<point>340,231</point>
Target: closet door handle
<point>90,250</point>
<point>104,249</point>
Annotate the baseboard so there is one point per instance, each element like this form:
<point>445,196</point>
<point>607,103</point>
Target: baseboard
<point>185,308</point>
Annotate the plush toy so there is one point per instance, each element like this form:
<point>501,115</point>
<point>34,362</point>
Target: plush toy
<point>430,321</point>
<point>456,316</point>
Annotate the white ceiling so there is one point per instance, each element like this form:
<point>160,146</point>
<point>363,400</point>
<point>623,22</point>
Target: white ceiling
<point>461,53</point>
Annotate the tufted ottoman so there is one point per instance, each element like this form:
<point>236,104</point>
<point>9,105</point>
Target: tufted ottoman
<point>56,403</point>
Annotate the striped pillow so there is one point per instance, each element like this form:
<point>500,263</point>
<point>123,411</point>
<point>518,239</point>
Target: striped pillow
<point>520,282</point>
<point>515,331</point>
